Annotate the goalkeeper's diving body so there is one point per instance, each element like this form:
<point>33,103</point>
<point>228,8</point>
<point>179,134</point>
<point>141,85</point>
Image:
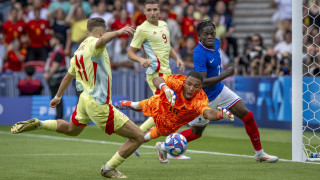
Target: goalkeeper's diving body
<point>180,101</point>
<point>91,68</point>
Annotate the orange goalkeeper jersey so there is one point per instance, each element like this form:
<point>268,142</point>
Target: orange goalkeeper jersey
<point>169,119</point>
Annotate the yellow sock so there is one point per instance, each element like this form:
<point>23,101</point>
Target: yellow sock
<point>115,161</point>
<point>50,125</point>
<point>148,124</point>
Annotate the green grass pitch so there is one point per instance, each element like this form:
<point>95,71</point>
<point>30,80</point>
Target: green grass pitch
<point>49,155</point>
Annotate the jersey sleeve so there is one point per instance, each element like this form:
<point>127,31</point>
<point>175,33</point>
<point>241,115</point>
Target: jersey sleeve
<point>199,61</point>
<point>174,81</point>
<point>96,52</point>
<point>201,103</point>
<point>138,38</point>
<point>72,68</point>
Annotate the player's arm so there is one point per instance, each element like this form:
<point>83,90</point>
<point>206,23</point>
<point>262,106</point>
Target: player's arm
<point>63,86</point>
<point>207,82</point>
<point>214,115</point>
<point>108,36</point>
<point>160,83</point>
<point>174,56</point>
<point>132,55</point>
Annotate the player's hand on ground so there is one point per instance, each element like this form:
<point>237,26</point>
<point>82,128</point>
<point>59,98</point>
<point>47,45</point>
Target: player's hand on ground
<point>225,114</point>
<point>54,102</point>
<point>181,64</point>
<point>127,30</point>
<point>230,71</point>
<point>145,63</point>
<point>171,95</point>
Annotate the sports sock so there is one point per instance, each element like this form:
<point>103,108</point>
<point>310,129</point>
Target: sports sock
<point>115,161</point>
<point>148,124</point>
<point>50,125</point>
<point>252,130</point>
<point>162,147</point>
<point>135,105</point>
<point>258,152</point>
<point>189,135</point>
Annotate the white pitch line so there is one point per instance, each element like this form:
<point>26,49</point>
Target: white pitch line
<point>143,146</point>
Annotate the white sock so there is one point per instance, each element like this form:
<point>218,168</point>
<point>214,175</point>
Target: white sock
<point>147,136</point>
<point>162,147</point>
<point>107,167</point>
<point>258,152</point>
<point>135,105</point>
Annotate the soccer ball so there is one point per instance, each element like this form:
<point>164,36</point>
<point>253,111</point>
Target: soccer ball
<point>175,144</point>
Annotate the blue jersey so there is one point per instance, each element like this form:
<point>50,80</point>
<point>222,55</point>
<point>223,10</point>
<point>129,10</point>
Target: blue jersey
<point>208,60</point>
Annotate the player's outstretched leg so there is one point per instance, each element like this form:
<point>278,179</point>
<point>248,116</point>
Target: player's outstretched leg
<point>266,157</point>
<point>161,153</point>
<point>22,126</point>
<point>125,105</point>
<point>113,173</point>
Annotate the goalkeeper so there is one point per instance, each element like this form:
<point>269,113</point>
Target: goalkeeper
<point>180,101</point>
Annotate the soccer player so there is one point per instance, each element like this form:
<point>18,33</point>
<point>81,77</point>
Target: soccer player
<point>180,101</point>
<point>153,35</point>
<point>91,68</point>
<point>207,62</point>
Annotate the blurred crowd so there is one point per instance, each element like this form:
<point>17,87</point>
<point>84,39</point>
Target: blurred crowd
<point>27,26</point>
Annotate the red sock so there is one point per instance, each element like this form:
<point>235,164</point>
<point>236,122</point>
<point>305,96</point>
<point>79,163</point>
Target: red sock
<point>252,130</point>
<point>188,134</point>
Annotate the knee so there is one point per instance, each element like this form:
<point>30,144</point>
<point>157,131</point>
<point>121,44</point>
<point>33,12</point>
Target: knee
<point>140,138</point>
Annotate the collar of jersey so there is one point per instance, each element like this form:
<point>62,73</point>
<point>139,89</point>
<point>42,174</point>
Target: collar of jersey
<point>206,47</point>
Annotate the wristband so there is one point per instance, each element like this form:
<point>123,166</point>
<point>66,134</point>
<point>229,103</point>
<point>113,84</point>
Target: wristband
<point>57,98</point>
<point>162,85</point>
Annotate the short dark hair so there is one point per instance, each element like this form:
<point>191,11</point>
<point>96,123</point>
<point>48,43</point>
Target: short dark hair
<point>30,70</point>
<point>151,2</point>
<point>59,37</point>
<point>196,75</point>
<point>95,22</point>
<point>205,23</point>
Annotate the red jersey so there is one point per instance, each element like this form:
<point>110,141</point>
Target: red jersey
<point>169,119</point>
<point>14,64</point>
<point>30,87</point>
<point>12,31</point>
<point>139,18</point>
<point>187,26</point>
<point>117,24</point>
<point>38,33</point>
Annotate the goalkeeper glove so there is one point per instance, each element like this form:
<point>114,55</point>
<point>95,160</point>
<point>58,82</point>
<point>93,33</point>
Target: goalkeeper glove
<point>171,94</point>
<point>224,114</point>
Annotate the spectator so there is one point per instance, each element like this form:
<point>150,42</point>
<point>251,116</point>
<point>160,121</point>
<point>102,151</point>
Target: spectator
<point>59,4</point>
<point>176,10</point>
<point>311,67</point>
<point>279,33</point>
<point>187,22</point>
<point>122,21</point>
<point>121,61</point>
<point>226,20</point>
<point>59,26</point>
<point>15,56</point>
<point>56,69</point>
<point>103,13</point>
<point>78,22</point>
<point>83,4</point>
<point>202,13</point>
<point>38,32</point>
<point>284,65</point>
<point>138,16</point>
<point>43,12</point>
<point>268,64</point>
<point>13,28</point>
<point>187,52</point>
<point>30,86</point>
<point>173,26</point>
<point>284,11</point>
<point>220,32</point>
<point>286,45</point>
